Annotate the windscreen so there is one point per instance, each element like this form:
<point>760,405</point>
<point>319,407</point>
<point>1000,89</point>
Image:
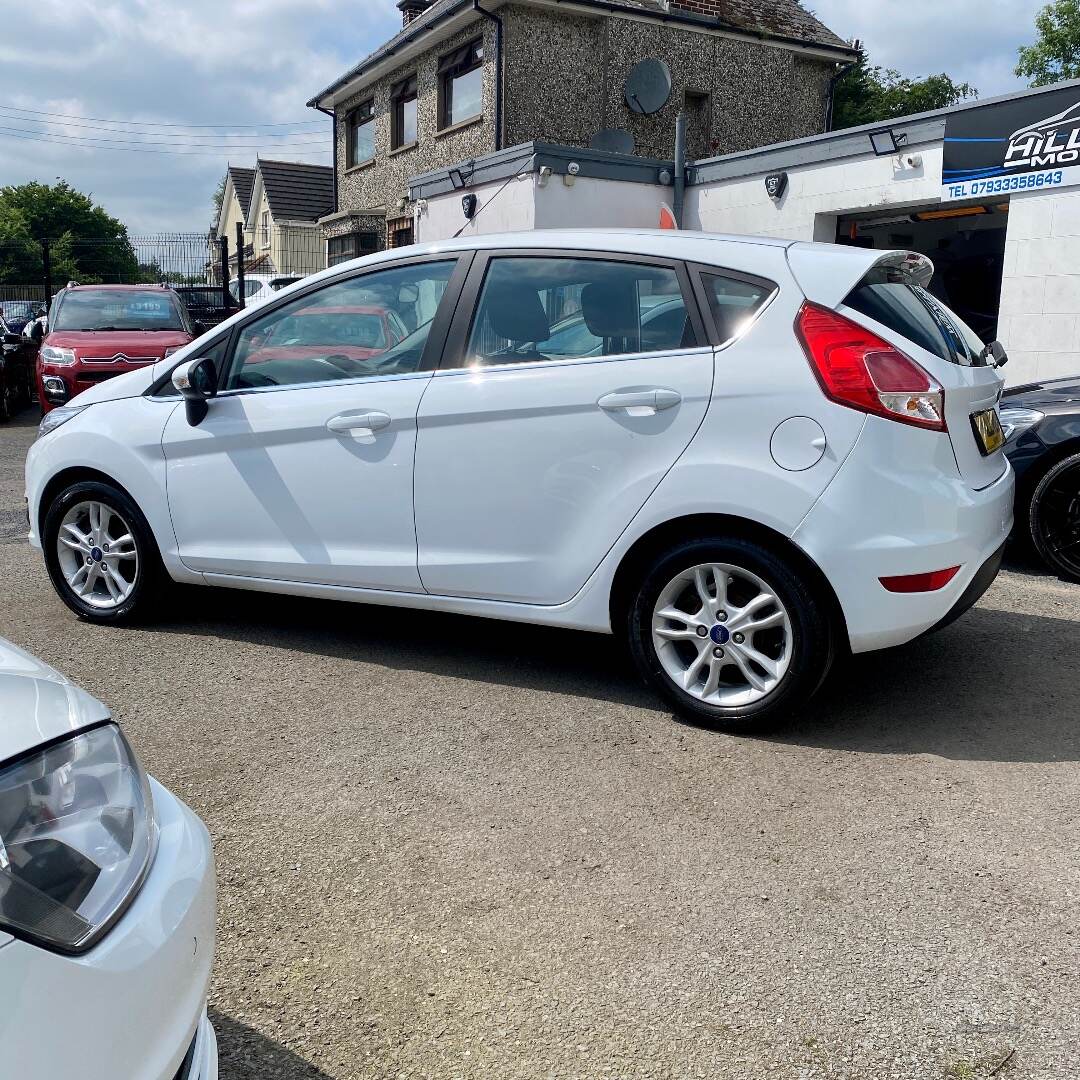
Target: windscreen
<point>910,310</point>
<point>116,309</point>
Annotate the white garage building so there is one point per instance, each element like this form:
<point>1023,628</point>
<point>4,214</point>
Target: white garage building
<point>989,190</point>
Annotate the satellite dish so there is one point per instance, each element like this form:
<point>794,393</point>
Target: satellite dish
<point>648,87</point>
<point>613,141</point>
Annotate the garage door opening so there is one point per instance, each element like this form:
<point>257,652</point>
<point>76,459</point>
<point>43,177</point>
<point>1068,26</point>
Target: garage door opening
<point>966,244</point>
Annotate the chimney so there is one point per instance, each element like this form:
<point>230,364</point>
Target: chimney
<point>412,9</point>
<point>714,8</point>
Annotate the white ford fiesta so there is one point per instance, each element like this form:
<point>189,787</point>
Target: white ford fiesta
<point>106,897</point>
<point>743,455</point>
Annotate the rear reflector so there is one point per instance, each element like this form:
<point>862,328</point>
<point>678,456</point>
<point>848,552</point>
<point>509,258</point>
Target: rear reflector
<point>931,582</point>
<point>858,369</point>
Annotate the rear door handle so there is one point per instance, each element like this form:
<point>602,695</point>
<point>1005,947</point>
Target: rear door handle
<point>653,400</point>
<point>358,423</point>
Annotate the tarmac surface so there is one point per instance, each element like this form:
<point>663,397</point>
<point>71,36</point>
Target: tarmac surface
<point>454,848</point>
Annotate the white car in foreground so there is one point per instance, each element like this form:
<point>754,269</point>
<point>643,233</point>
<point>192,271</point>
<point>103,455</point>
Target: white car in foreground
<point>106,897</point>
<point>804,459</point>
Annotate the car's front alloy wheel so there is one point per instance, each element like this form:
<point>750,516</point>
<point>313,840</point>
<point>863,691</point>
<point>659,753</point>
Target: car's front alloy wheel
<point>730,633</point>
<point>100,553</point>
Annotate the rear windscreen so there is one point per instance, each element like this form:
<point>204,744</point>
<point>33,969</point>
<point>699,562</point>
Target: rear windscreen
<point>916,314</point>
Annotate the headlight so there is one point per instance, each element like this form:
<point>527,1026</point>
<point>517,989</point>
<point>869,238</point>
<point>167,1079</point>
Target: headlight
<point>1015,420</point>
<point>50,354</point>
<point>52,420</point>
<point>77,836</point>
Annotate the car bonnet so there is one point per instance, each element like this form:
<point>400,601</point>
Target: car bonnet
<point>38,705</point>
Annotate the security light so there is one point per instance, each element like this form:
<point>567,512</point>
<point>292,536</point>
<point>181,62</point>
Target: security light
<point>885,142</point>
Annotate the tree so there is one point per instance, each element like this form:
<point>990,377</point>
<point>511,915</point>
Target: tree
<point>866,94</point>
<point>219,198</point>
<point>1056,54</point>
<point>86,243</point>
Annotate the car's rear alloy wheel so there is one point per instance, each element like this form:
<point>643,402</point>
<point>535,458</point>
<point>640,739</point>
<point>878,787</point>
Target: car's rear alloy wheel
<point>730,634</point>
<point>100,553</point>
<point>1054,518</point>
<point>722,634</point>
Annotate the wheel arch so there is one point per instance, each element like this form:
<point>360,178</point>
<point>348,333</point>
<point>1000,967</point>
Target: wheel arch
<point>1041,466</point>
<point>75,474</point>
<point>659,538</point>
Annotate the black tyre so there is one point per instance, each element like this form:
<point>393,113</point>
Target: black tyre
<point>101,555</point>
<point>731,634</point>
<point>1054,518</point>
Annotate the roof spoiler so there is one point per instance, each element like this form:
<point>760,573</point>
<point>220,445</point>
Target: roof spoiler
<point>826,273</point>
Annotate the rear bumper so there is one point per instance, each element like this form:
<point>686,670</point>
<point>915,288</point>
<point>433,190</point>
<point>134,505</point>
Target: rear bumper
<point>134,1006</point>
<point>896,507</point>
<point>983,579</point>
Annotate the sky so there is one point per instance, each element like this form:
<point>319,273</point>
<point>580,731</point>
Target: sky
<point>203,83</point>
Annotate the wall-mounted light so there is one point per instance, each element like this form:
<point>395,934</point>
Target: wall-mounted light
<point>468,205</point>
<point>887,142</point>
<point>457,179</point>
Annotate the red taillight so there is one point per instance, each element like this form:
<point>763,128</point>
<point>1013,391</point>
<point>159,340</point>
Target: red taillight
<point>856,368</point>
<point>931,582</point>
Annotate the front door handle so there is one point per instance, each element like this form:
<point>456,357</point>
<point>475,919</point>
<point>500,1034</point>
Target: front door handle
<point>641,402</point>
<point>358,423</point>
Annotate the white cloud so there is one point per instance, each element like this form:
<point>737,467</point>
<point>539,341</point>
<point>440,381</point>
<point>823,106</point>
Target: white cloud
<point>974,41</point>
<point>204,62</point>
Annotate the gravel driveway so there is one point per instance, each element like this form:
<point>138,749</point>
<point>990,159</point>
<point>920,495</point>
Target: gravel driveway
<point>453,848</point>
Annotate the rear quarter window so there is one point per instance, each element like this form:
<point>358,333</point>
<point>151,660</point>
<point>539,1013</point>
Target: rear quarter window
<point>734,302</point>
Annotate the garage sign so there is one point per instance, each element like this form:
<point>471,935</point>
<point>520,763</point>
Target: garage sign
<point>1024,144</point>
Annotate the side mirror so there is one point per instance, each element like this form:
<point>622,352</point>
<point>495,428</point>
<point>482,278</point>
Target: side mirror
<point>197,382</point>
<point>199,327</point>
<point>37,333</point>
<point>994,355</point>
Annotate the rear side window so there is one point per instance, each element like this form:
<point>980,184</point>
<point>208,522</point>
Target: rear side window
<point>535,308</point>
<point>920,317</point>
<point>734,302</point>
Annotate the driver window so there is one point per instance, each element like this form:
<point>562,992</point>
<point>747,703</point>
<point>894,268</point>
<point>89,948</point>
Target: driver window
<point>375,324</point>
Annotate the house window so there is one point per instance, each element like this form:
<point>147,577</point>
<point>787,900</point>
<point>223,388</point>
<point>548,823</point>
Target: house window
<point>461,84</point>
<point>403,102</point>
<point>360,134</point>
<point>341,249</point>
<point>264,228</point>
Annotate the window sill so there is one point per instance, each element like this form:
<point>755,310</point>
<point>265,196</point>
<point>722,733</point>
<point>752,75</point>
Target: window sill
<point>460,125</point>
<point>361,167</point>
<point>403,149</point>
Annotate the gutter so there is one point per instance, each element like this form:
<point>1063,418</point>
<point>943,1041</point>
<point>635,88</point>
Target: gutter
<point>498,71</point>
<point>332,113</point>
<point>834,82</point>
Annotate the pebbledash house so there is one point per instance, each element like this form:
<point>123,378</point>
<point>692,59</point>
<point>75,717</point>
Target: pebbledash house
<point>466,78</point>
<point>574,106</point>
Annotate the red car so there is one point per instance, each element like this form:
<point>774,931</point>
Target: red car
<point>98,331</point>
<point>354,334</point>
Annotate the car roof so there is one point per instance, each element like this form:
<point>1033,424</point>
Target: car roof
<point>148,287</point>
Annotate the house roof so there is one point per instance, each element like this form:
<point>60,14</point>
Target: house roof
<point>243,180</point>
<point>781,20</point>
<point>297,191</point>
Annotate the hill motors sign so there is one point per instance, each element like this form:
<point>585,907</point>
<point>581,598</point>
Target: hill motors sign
<point>1025,144</point>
